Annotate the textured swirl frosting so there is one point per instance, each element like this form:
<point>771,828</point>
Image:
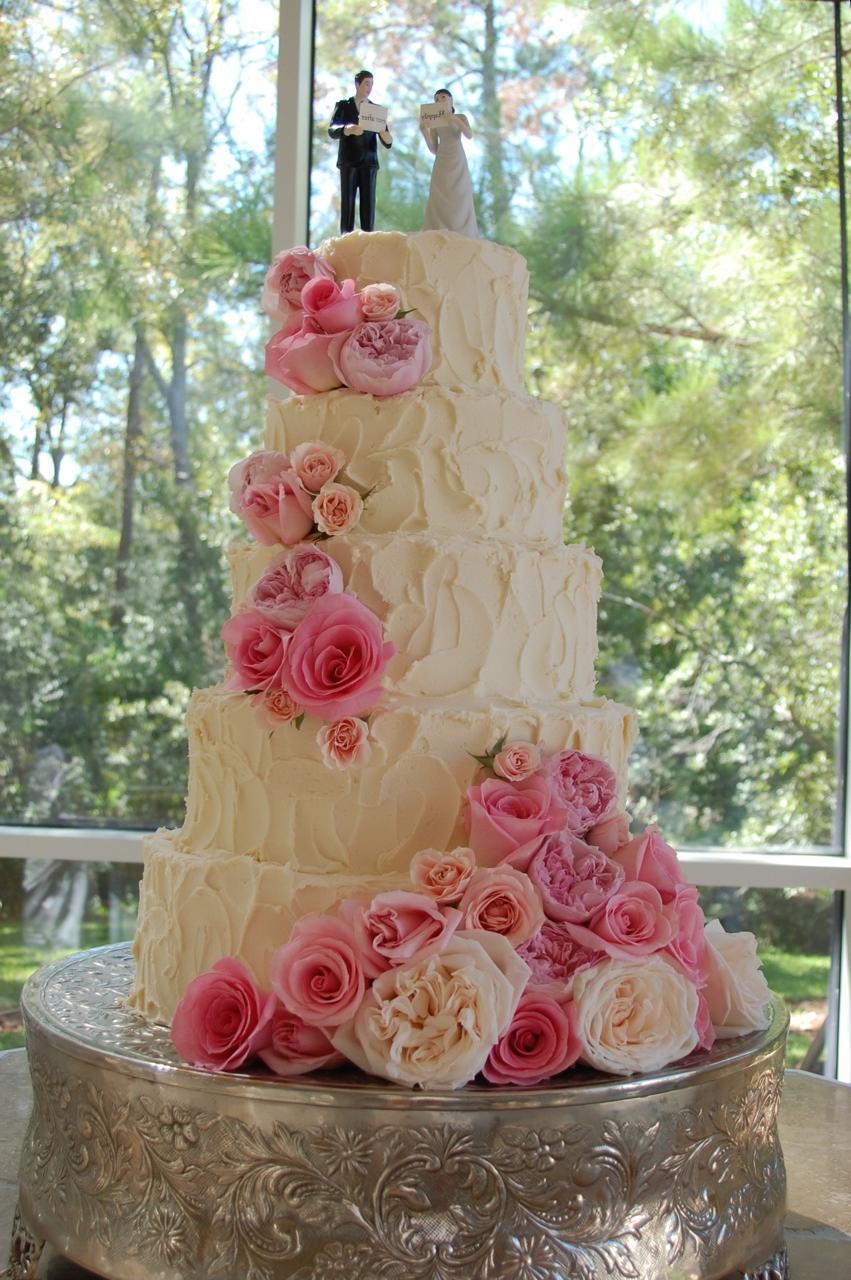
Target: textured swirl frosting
<point>437,459</point>
<point>479,618</point>
<point>268,794</point>
<point>471,293</point>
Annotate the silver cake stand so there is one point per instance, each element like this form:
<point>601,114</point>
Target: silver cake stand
<point>135,1166</point>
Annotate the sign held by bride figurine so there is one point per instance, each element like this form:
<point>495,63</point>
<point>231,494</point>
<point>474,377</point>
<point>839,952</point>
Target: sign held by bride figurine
<point>433,113</point>
<point>372,117</point>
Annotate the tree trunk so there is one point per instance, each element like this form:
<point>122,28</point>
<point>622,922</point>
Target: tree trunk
<point>132,438</point>
<point>57,447</point>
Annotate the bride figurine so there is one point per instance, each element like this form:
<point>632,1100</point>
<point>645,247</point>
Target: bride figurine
<point>450,196</point>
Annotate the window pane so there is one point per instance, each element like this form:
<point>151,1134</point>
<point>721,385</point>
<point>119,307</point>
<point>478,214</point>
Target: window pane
<point>669,170</point>
<point>136,231</point>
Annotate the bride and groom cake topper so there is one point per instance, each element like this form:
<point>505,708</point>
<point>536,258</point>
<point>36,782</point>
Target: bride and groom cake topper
<point>358,125</point>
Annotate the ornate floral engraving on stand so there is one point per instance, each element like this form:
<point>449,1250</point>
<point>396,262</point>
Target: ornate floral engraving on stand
<point>24,1252</point>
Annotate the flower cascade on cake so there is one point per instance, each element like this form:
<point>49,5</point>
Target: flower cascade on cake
<point>554,938</point>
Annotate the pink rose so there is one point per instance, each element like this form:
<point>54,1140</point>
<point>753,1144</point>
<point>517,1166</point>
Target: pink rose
<point>345,743</point>
<point>554,956</point>
<point>443,876</point>
<point>574,878</point>
<point>610,835</point>
<point>516,762</point>
<point>276,707</point>
<point>632,922</point>
<point>287,276</point>
<point>649,858</point>
<point>398,928</point>
<point>735,987</point>
<point>505,815</point>
<point>585,786</point>
<point>336,657</point>
<point>256,650</point>
<point>316,464</point>
<point>276,508</point>
<point>337,508</point>
<point>297,1048</point>
<point>502,900</point>
<point>688,945</point>
<point>380,301</point>
<point>302,360</point>
<point>335,308</point>
<point>540,1043</point>
<point>223,1019</point>
<point>318,974</point>
<point>287,591</point>
<point>383,357</point>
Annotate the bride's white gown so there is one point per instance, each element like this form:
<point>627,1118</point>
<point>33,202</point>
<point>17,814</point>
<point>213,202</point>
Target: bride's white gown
<point>450,196</point>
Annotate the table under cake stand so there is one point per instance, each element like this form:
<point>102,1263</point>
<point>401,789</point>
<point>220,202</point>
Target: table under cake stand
<point>135,1166</point>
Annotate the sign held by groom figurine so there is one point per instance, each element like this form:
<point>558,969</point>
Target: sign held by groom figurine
<point>359,125</point>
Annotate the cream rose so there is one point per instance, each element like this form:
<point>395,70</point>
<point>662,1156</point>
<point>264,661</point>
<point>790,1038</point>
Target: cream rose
<point>736,990</point>
<point>634,1016</point>
<point>345,743</point>
<point>443,876</point>
<point>517,762</point>
<point>337,508</point>
<point>316,464</point>
<point>433,1022</point>
<point>502,900</point>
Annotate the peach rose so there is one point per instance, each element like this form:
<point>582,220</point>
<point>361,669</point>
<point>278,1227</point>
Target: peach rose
<point>337,508</point>
<point>443,876</point>
<point>345,743</point>
<point>434,1022</point>
<point>316,464</point>
<point>276,707</point>
<point>516,762</point>
<point>380,301</point>
<point>502,900</point>
<point>736,990</point>
<point>610,835</point>
<point>635,1016</point>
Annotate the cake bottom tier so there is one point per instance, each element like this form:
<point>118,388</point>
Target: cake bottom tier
<point>268,793</point>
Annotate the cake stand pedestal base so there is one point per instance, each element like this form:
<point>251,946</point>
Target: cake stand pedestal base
<point>139,1168</point>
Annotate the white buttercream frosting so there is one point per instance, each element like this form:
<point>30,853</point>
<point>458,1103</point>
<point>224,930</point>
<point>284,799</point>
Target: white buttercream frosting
<point>481,618</point>
<point>436,459</point>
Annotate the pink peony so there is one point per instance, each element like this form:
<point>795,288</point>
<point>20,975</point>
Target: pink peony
<point>318,974</point>
<point>398,928</point>
<point>502,900</point>
<point>540,1043</point>
<point>610,835</point>
<point>383,357</point>
<point>256,650</point>
<point>517,762</point>
<point>276,508</point>
<point>585,786</point>
<point>316,464</point>
<point>302,360</point>
<point>337,508</point>
<point>296,1047</point>
<point>287,591</point>
<point>633,922</point>
<point>276,707</point>
<point>287,276</point>
<point>688,944</point>
<point>336,657</point>
<point>223,1019</point>
<point>345,743</point>
<point>574,878</point>
<point>505,815</point>
<point>335,308</point>
<point>443,876</point>
<point>554,956</point>
<point>649,858</point>
<point>258,468</point>
<point>380,301</point>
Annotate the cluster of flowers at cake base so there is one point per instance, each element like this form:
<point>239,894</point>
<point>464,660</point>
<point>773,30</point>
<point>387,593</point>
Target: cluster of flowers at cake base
<point>334,335</point>
<point>302,644</point>
<point>555,938</point>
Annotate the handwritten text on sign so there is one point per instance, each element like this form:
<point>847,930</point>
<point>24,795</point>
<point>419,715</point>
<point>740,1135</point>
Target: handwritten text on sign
<point>433,113</point>
<point>372,117</point>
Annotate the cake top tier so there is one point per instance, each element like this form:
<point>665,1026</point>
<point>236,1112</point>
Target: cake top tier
<point>472,293</point>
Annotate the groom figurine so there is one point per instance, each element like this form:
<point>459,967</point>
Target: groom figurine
<point>357,156</point>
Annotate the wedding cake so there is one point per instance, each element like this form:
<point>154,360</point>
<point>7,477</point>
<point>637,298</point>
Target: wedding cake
<point>406,775</point>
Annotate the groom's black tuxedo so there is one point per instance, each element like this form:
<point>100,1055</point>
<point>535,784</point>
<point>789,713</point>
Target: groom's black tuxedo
<point>357,160</point>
